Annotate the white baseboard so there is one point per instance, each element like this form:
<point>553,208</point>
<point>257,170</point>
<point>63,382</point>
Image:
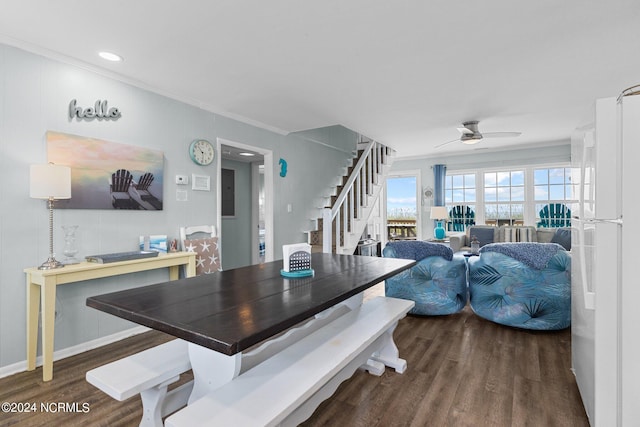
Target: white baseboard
<point>15,368</point>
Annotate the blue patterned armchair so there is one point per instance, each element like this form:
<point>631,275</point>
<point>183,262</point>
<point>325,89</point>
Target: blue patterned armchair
<point>525,285</point>
<point>437,283</point>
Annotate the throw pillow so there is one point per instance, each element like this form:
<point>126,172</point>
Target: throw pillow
<point>508,234</point>
<point>484,235</point>
<point>207,254</point>
<point>526,234</point>
<point>562,236</point>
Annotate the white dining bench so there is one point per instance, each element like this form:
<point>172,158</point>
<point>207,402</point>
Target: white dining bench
<point>148,373</point>
<point>287,387</point>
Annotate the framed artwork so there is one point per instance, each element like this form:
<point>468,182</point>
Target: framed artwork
<point>200,182</point>
<point>108,175</point>
<point>154,242</point>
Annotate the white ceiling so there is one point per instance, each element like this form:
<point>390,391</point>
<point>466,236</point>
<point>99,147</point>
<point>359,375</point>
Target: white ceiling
<point>405,73</point>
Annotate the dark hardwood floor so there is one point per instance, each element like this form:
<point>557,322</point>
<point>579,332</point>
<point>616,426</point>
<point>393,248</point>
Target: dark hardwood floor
<point>462,371</point>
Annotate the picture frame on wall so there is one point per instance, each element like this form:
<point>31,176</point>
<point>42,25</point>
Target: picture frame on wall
<point>200,182</point>
<point>108,175</point>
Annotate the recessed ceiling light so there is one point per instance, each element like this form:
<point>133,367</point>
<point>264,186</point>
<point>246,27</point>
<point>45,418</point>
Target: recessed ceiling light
<point>246,154</point>
<point>109,56</point>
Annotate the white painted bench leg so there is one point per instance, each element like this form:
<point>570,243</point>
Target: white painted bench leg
<point>211,369</point>
<point>388,353</point>
<point>152,401</point>
<point>374,367</point>
<point>177,398</point>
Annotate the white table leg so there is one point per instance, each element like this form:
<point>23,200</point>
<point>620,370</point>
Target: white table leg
<point>211,369</point>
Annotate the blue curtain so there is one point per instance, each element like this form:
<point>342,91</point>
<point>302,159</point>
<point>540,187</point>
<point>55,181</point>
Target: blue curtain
<point>440,172</point>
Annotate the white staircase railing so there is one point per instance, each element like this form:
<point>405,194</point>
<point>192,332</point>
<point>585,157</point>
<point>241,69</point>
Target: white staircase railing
<point>349,210</point>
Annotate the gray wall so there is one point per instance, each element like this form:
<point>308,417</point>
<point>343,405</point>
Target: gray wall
<point>35,93</point>
<point>465,162</point>
<point>236,231</point>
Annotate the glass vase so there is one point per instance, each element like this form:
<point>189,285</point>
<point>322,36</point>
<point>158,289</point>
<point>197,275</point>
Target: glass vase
<point>70,244</point>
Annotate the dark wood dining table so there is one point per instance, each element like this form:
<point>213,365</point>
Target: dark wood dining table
<point>233,310</point>
<point>235,319</point>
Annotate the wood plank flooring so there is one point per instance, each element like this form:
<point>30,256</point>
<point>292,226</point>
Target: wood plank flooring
<point>462,371</point>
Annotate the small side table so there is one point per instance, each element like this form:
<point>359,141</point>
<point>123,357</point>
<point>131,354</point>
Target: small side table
<point>41,289</point>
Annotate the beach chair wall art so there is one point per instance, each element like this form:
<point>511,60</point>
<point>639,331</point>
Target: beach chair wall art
<point>108,175</point>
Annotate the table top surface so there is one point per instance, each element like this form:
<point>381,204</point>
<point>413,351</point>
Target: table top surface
<point>85,265</point>
<point>233,310</point>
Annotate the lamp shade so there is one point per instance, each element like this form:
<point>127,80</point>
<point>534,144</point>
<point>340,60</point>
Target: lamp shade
<point>439,212</point>
<point>50,181</point>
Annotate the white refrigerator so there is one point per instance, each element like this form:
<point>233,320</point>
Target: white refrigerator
<point>605,312</point>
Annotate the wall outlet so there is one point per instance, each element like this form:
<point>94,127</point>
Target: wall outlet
<point>182,179</point>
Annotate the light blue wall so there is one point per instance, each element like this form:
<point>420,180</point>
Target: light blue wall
<point>466,162</point>
<point>35,93</point>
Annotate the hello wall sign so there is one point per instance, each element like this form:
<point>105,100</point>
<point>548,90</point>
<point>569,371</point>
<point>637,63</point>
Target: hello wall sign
<point>100,111</point>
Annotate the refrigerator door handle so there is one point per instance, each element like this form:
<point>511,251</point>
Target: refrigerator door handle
<point>601,220</point>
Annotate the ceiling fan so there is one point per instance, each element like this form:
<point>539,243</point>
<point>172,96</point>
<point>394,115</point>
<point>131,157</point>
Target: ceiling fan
<point>471,135</point>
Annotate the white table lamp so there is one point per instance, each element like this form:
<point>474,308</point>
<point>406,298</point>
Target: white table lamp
<point>50,182</point>
<point>439,213</point>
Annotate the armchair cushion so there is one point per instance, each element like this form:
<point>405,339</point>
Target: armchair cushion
<point>535,255</point>
<point>562,236</point>
<point>417,250</point>
<point>437,284</point>
<point>485,235</point>
<point>510,292</point>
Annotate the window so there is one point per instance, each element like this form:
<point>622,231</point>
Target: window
<point>513,197</point>
<point>504,197</point>
<point>460,199</point>
<point>553,188</point>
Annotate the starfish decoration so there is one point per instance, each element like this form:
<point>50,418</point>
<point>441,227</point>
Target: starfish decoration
<point>205,246</point>
<point>213,259</point>
<point>200,262</point>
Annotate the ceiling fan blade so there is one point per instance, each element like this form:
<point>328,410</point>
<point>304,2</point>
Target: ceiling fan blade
<point>445,143</point>
<point>465,131</point>
<point>501,134</point>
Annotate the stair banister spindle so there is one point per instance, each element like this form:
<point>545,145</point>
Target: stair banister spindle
<point>363,186</point>
<point>375,162</point>
<point>326,230</point>
<point>358,194</point>
<point>345,209</point>
<point>336,238</point>
<point>372,172</point>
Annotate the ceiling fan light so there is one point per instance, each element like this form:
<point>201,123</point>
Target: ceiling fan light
<point>470,141</point>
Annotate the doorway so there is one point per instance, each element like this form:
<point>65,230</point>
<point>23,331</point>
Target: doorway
<point>245,207</point>
<point>402,208</point>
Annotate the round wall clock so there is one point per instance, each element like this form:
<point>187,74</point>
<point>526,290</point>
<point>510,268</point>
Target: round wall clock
<point>201,152</point>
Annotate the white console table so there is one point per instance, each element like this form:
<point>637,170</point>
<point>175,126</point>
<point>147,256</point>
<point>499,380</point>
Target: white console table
<point>41,286</point>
